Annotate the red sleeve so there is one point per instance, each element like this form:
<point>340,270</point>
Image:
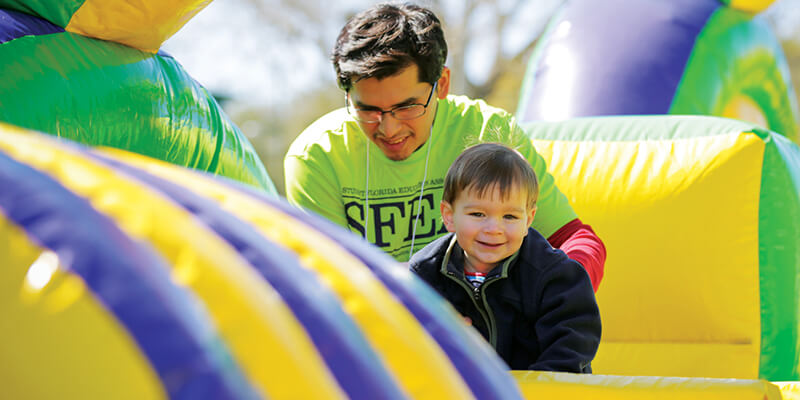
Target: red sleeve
<point>581,244</point>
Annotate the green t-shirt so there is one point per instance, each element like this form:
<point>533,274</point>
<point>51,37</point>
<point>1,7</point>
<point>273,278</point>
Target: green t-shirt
<point>326,169</point>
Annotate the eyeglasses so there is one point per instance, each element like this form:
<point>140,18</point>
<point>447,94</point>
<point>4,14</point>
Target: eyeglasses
<point>373,115</point>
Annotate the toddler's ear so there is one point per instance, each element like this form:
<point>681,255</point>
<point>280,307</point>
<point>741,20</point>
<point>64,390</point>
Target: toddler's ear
<point>447,216</point>
<point>531,215</point>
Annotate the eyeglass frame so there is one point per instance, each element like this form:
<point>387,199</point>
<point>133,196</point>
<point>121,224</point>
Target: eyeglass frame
<point>392,111</point>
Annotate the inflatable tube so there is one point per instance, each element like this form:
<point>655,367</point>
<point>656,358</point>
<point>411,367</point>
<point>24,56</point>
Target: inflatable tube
<point>637,57</point>
<point>105,94</point>
<point>143,25</point>
<point>699,217</point>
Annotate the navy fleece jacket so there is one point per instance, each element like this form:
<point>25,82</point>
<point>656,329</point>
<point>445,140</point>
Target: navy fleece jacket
<point>536,308</point>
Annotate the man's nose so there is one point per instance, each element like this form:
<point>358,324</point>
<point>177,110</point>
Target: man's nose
<point>389,125</point>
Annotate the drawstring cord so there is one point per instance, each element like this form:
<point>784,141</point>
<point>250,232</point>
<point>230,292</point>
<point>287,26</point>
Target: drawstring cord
<point>366,198</point>
<point>421,191</point>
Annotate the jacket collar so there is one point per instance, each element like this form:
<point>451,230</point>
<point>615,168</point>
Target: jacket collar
<point>455,251</point>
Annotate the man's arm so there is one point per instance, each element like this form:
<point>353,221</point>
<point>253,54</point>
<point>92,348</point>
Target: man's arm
<point>568,324</point>
<point>581,244</point>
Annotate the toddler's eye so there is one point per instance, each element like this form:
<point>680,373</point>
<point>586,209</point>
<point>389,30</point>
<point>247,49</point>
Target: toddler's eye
<point>476,214</point>
<point>509,216</point>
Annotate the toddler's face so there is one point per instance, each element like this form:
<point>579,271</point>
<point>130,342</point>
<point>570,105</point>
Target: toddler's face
<point>488,228</point>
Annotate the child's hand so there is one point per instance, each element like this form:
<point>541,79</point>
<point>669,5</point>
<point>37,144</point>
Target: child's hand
<point>467,321</point>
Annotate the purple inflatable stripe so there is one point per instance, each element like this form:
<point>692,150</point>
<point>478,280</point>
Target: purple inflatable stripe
<point>16,24</point>
<point>348,355</point>
<point>614,57</point>
<point>129,279</point>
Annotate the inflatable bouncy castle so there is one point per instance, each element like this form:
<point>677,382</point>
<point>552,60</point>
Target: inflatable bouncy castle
<point>128,275</point>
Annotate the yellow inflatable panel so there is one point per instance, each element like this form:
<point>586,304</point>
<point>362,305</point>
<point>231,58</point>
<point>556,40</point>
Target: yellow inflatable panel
<point>144,25</point>
<point>91,356</point>
<point>418,364</point>
<point>250,315</point>
<point>553,385</point>
<point>654,297</point>
<point>710,360</point>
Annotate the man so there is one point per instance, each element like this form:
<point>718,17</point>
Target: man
<point>377,166</point>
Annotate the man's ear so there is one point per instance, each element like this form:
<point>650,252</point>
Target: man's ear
<point>443,86</point>
<point>447,216</point>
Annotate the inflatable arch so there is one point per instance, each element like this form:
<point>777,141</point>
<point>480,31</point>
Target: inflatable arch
<point>637,57</point>
<point>103,93</point>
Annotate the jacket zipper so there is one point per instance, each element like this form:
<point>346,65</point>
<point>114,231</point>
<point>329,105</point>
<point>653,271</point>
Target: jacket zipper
<point>477,294</point>
<point>492,323</point>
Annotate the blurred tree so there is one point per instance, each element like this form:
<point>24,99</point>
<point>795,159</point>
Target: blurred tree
<point>486,39</point>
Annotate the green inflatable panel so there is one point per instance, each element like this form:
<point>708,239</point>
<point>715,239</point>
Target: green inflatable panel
<point>737,58</point>
<point>106,94</point>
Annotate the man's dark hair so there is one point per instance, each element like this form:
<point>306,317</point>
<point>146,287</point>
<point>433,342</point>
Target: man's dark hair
<point>381,41</point>
<point>486,166</point>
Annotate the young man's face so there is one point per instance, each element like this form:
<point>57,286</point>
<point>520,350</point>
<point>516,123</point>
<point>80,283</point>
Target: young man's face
<point>488,228</point>
<point>398,139</point>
